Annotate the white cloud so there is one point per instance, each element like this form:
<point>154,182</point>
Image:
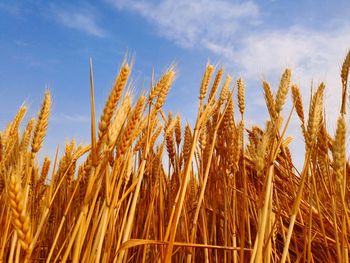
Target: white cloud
<point>236,33</point>
<point>82,20</point>
<point>314,57</point>
<point>190,23</point>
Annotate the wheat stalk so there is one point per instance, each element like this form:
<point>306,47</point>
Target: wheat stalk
<point>219,198</point>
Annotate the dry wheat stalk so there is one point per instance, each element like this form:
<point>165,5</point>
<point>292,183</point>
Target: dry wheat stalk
<point>218,195</point>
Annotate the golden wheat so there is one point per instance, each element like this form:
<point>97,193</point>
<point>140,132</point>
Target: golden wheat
<point>148,189</point>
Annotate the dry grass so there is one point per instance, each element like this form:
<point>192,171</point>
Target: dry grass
<point>214,192</point>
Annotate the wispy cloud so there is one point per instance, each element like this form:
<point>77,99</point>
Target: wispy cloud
<point>191,23</point>
<point>314,55</point>
<point>82,19</point>
<point>240,34</point>
<point>78,118</point>
<point>237,32</point>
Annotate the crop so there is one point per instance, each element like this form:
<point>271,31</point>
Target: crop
<point>149,188</point>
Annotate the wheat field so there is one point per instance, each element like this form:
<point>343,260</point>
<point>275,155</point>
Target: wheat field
<point>150,188</point>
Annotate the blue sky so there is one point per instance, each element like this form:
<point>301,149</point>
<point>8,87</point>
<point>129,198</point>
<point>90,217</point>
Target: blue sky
<point>46,43</point>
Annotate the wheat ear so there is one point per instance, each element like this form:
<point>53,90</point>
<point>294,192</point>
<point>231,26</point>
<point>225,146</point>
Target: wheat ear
<point>164,88</point>
<point>315,116</point>
<point>283,90</point>
<point>131,126</point>
<point>42,122</point>
<point>27,134</point>
<point>344,80</point>
<point>112,101</point>
<point>298,102</point>
<point>241,95</point>
<point>205,82</point>
<point>216,84</point>
<point>21,220</point>
<point>270,101</point>
<point>339,147</point>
